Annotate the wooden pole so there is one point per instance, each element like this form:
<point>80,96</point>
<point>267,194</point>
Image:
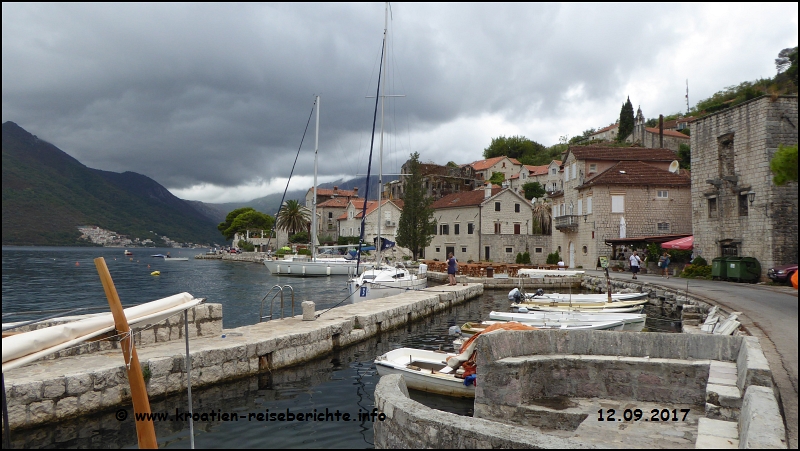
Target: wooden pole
<point>145,431</point>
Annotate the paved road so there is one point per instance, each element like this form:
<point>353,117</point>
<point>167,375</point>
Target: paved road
<point>768,312</point>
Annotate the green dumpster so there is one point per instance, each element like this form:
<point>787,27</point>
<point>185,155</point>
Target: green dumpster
<point>751,271</point>
<point>735,268</point>
<point>718,268</point>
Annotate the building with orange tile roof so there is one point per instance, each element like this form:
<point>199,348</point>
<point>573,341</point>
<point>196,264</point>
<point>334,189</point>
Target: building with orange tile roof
<point>387,218</point>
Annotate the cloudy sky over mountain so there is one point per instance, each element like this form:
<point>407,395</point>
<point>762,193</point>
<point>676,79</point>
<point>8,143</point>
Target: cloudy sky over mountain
<point>211,100</point>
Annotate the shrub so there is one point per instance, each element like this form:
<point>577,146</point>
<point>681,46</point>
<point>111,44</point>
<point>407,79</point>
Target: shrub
<point>519,258</point>
<point>696,272</point>
<point>526,258</point>
<point>303,252</point>
<point>700,261</point>
<point>552,259</point>
<point>246,246</point>
<point>299,237</point>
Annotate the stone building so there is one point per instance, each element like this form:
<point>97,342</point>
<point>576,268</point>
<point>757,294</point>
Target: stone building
<point>328,213</point>
<point>485,168</point>
<point>324,194</point>
<point>652,138</point>
<point>389,216</point>
<point>492,224</point>
<point>613,192</point>
<point>437,179</point>
<point>606,133</point>
<point>736,208</point>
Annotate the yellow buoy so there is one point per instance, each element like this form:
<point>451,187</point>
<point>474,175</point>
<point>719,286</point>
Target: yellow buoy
<point>155,273</point>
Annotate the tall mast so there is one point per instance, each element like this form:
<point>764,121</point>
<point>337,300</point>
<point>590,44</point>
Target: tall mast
<point>378,244</point>
<point>314,201</point>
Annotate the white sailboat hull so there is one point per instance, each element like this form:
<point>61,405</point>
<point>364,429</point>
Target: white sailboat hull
<point>420,370</point>
<point>317,268</point>
<point>385,282</point>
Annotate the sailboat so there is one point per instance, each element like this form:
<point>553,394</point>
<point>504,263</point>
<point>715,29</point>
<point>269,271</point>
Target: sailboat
<point>384,279</point>
<point>312,266</point>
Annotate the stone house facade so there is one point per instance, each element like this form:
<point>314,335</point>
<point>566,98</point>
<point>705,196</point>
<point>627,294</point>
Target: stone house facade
<point>606,133</point>
<point>492,224</point>
<point>388,217</point>
<point>736,208</point>
<point>485,168</point>
<point>324,194</point>
<point>604,185</point>
<point>651,138</point>
<point>328,214</point>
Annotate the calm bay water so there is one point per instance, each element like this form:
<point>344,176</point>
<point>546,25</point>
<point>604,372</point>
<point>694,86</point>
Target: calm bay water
<point>51,278</point>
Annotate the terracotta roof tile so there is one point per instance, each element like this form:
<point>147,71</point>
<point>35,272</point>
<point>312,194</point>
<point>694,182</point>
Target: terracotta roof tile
<point>672,133</point>
<point>637,173</point>
<point>464,198</point>
<point>621,153</point>
<point>339,192</point>
<point>537,170</point>
<point>340,202</point>
<point>486,164</point>
<point>605,129</point>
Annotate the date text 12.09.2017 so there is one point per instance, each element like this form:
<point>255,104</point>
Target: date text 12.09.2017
<point>639,415</point>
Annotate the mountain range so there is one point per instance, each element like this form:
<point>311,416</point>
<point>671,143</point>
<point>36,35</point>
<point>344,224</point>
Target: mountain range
<point>47,194</point>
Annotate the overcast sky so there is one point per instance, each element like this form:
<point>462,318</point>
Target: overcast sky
<point>211,100</point>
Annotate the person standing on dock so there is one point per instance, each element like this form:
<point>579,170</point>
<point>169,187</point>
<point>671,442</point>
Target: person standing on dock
<point>452,268</point>
<point>663,263</point>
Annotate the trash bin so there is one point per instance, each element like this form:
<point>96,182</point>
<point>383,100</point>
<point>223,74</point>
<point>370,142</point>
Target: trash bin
<point>735,268</point>
<point>751,270</point>
<point>489,271</point>
<point>718,268</point>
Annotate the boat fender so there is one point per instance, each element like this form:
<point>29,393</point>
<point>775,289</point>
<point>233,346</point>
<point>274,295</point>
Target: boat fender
<point>454,330</point>
<point>155,273</point>
<point>522,310</point>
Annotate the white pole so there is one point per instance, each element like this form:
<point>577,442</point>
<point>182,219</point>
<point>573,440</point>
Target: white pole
<point>314,201</point>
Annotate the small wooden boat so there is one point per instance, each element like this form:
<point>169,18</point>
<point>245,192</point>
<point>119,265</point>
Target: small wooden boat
<point>421,370</point>
<point>168,258</point>
<point>613,307</point>
<point>540,273</point>
<point>540,297</point>
<point>631,321</point>
<point>555,323</point>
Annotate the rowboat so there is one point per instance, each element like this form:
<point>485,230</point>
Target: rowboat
<point>631,321</point>
<point>421,370</point>
<point>608,307</point>
<point>540,297</point>
<point>551,323</point>
<point>540,273</point>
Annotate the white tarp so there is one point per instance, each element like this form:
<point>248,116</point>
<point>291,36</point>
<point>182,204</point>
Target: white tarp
<point>26,347</point>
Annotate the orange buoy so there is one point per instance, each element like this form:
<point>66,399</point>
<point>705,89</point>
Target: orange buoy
<point>794,280</point>
<point>77,264</point>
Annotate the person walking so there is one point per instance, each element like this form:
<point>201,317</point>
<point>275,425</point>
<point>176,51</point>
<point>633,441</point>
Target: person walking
<point>452,268</point>
<point>663,263</point>
<point>635,262</point>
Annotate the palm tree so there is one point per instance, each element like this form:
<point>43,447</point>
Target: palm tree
<point>542,217</point>
<point>293,217</point>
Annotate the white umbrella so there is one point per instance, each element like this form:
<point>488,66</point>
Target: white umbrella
<point>623,227</point>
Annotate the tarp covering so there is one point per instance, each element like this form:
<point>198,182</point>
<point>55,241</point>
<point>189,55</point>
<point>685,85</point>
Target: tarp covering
<point>683,244</point>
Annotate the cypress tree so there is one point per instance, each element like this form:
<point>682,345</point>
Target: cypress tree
<point>626,121</point>
<point>416,220</point>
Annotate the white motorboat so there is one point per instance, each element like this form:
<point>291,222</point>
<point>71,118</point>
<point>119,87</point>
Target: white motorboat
<point>631,321</point>
<point>580,308</point>
<point>168,258</point>
<point>305,266</point>
<point>540,297</point>
<point>387,281</point>
<point>421,371</point>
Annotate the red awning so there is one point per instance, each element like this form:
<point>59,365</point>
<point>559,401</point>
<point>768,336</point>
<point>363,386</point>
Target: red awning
<point>683,244</point>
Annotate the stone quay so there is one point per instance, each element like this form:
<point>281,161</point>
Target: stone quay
<point>93,378</point>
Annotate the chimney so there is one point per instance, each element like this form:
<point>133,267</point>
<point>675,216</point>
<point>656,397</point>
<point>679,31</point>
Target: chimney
<point>335,188</point>
<point>660,131</point>
<point>487,190</point>
<point>355,192</point>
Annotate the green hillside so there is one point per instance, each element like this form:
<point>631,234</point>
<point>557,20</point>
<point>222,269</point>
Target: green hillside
<point>47,194</point>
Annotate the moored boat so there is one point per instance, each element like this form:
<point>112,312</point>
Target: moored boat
<point>471,328</point>
<point>540,297</point>
<point>387,281</point>
<point>631,321</point>
<point>612,307</point>
<point>421,371</point>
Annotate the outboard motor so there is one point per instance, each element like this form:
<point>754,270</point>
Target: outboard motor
<point>455,331</point>
<point>539,292</point>
<point>515,295</point>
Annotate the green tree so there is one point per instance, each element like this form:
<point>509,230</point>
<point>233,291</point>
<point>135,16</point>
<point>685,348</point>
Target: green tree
<point>626,120</point>
<point>518,147</point>
<point>293,217</point>
<point>784,165</point>
<point>497,178</point>
<point>225,225</point>
<point>245,219</point>
<point>414,230</point>
<point>685,156</point>
<point>533,189</point>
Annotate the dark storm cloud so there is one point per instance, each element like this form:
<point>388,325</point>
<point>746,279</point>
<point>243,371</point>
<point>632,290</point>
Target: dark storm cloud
<point>219,94</point>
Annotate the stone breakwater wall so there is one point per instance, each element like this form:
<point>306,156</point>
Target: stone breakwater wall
<point>508,283</point>
<point>55,389</point>
<point>205,320</point>
<point>247,257</point>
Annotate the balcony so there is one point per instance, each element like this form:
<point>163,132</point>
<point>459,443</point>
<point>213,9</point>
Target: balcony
<point>568,223</point>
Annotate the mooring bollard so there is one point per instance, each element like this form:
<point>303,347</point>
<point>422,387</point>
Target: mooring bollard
<point>308,311</point>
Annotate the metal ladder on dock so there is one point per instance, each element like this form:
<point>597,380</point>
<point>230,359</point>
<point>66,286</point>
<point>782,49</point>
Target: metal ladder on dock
<point>278,291</point>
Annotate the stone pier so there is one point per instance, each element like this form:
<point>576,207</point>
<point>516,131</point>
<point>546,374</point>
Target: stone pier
<point>54,389</point>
